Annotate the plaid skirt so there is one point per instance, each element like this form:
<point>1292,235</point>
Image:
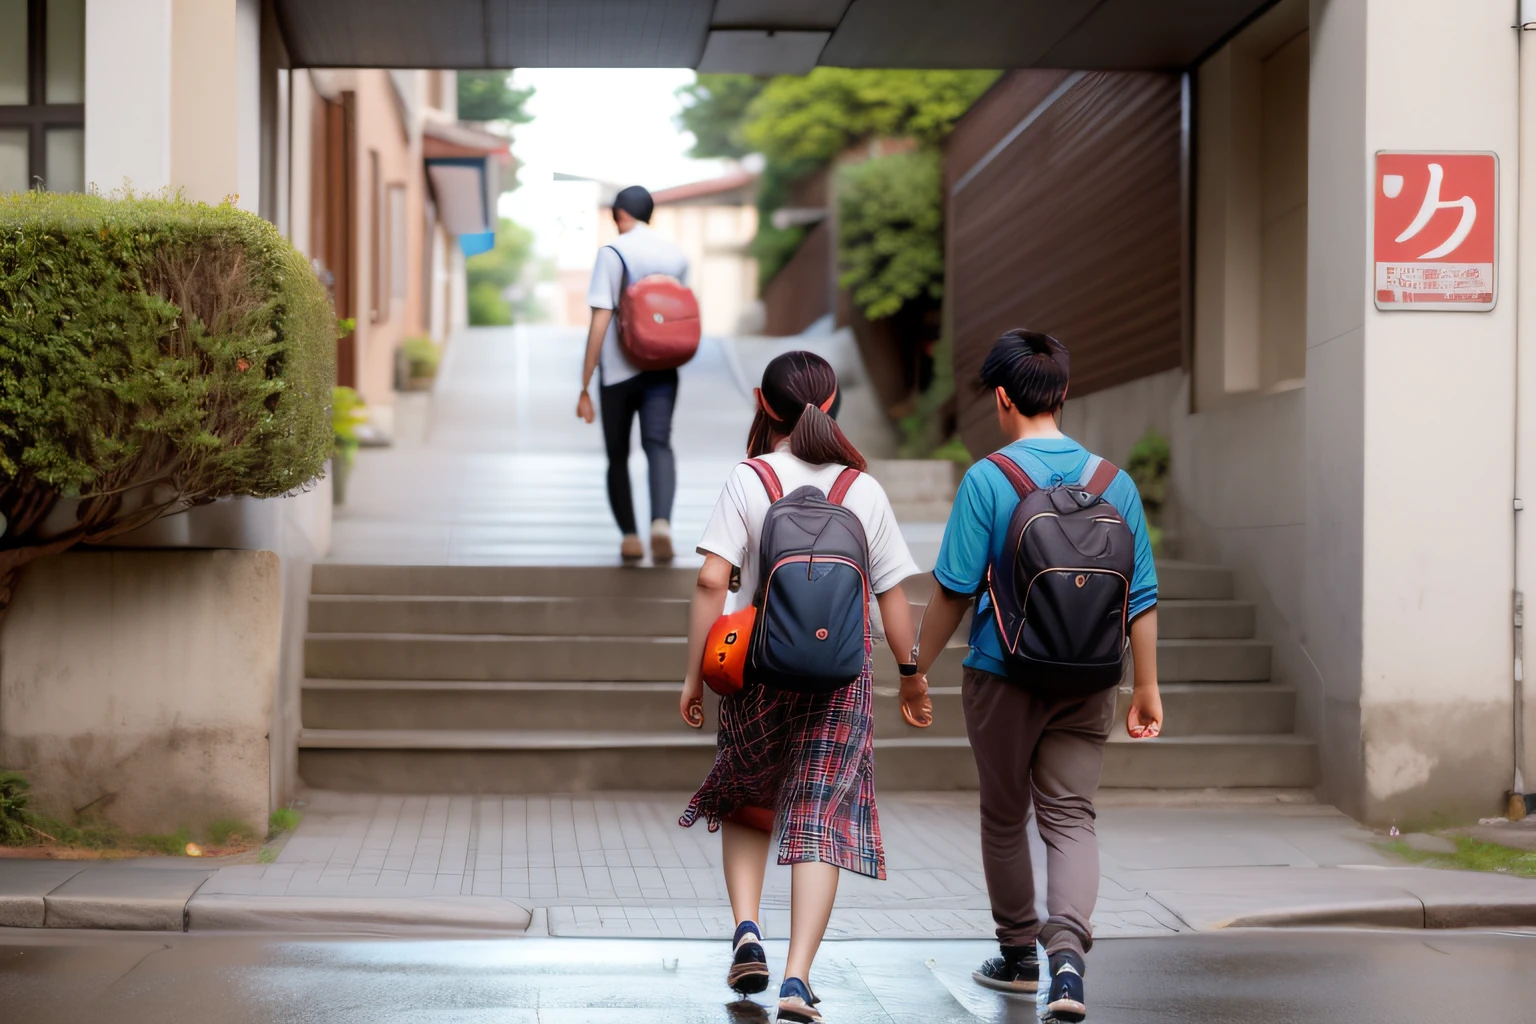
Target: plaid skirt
<point>809,760</point>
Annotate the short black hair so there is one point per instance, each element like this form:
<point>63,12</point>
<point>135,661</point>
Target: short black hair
<point>1033,369</point>
<point>636,202</point>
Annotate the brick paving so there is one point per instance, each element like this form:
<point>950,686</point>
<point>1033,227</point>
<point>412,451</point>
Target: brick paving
<point>616,864</point>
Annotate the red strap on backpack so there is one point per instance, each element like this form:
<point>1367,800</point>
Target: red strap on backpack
<point>840,486</point>
<point>769,478</point>
<point>1015,473</point>
<point>1102,477</point>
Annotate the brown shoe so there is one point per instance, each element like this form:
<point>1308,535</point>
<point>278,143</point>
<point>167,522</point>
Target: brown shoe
<point>661,541</point>
<point>630,549</point>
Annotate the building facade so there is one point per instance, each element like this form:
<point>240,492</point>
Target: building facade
<point>1202,239</point>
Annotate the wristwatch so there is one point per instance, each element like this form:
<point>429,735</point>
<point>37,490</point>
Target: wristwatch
<point>907,670</point>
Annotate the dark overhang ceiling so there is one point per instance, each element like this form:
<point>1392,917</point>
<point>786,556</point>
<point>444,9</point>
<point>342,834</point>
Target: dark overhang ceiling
<point>760,36</point>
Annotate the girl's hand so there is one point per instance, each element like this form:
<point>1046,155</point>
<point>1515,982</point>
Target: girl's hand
<point>1145,719</point>
<point>916,708</point>
<point>691,703</point>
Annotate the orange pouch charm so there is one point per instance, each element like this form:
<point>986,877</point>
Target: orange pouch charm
<point>725,651</point>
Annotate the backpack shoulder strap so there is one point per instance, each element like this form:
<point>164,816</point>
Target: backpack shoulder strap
<point>769,478</point>
<point>840,486</point>
<point>1021,481</point>
<point>1097,480</point>
<point>624,275</point>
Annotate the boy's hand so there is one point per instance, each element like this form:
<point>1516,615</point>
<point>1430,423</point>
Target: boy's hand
<point>1145,719</point>
<point>691,703</point>
<point>916,707</point>
<point>584,408</point>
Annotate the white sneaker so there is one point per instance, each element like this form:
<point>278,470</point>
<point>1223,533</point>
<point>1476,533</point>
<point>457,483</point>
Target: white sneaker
<point>661,540</point>
<point>630,548</point>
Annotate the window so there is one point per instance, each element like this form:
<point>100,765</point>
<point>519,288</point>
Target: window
<point>378,304</point>
<point>399,267</point>
<point>42,95</point>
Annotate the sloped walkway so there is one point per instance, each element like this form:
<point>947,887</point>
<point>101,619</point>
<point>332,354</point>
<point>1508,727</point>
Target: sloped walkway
<point>493,467</point>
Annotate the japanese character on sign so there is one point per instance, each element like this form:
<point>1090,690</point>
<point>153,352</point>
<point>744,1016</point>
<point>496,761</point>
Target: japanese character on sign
<point>1436,232</point>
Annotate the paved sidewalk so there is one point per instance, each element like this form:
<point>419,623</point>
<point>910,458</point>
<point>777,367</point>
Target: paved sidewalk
<point>617,865</point>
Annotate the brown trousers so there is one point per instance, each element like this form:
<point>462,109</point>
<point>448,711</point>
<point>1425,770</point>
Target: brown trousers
<point>1049,753</point>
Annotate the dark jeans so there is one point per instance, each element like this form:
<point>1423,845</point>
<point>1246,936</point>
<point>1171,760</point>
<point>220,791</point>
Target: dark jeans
<point>652,395</point>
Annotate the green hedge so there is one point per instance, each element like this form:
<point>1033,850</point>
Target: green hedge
<point>891,232</point>
<point>154,354</point>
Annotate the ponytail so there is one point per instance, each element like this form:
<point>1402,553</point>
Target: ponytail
<point>798,390</point>
<point>818,439</point>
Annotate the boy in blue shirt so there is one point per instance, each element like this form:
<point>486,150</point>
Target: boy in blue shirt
<point>1029,746</point>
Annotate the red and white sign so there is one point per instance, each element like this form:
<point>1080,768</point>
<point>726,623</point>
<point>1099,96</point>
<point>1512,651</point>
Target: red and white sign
<point>1436,230</point>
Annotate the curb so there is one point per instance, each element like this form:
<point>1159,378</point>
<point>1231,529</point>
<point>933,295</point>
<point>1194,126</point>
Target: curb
<point>1408,914</point>
<point>358,915</point>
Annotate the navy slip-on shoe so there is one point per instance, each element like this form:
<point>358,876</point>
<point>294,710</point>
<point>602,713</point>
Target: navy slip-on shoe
<point>797,1004</point>
<point>1067,1001</point>
<point>749,963</point>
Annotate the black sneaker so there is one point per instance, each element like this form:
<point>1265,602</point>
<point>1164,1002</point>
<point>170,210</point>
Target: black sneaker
<point>1017,970</point>
<point>749,964</point>
<point>797,1003</point>
<point>1067,999</point>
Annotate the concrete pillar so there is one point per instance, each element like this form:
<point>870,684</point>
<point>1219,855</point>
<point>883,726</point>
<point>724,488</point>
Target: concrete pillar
<point>128,94</point>
<point>1410,427</point>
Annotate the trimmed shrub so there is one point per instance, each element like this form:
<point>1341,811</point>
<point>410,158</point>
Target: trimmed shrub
<point>154,354</point>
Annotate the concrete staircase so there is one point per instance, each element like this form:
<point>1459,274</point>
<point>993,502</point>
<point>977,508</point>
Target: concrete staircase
<point>462,679</point>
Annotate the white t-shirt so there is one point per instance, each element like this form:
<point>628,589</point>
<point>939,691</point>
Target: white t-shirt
<point>736,527</point>
<point>646,253</point>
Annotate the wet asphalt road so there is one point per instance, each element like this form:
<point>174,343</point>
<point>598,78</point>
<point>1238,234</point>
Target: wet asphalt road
<point>1255,978</point>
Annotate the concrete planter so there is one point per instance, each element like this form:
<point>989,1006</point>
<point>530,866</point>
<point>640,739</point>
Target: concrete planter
<point>340,470</point>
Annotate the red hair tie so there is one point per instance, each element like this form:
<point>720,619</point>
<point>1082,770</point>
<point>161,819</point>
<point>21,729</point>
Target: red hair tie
<point>762,403</point>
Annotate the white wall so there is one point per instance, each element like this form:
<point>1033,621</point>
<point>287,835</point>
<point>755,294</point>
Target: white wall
<point>128,94</point>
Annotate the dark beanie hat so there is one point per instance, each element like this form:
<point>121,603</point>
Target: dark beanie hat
<point>636,202</point>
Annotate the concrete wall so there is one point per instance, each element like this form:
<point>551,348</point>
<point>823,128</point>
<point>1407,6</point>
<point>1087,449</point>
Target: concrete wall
<point>140,686</point>
<point>1235,498</point>
<point>1408,616</point>
<point>128,94</point>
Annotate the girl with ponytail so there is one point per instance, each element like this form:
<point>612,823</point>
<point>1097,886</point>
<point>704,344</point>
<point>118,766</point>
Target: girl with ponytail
<point>803,762</point>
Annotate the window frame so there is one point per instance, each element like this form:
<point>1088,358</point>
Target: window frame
<point>38,115</point>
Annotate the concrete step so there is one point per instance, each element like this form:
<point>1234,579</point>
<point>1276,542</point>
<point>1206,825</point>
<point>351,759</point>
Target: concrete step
<point>384,704</point>
<point>661,659</point>
<point>1212,661</point>
<point>1204,620</point>
<point>475,761</point>
<point>1211,761</point>
<point>1220,709</point>
<point>503,580</point>
<point>538,616</point>
<point>1189,581</point>
<point>358,703</point>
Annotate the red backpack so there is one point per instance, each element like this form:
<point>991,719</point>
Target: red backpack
<point>658,320</point>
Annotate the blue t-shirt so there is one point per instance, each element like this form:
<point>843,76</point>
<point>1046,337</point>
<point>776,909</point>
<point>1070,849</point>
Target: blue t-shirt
<point>978,527</point>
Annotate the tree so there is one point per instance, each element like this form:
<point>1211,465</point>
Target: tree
<point>891,232</point>
<point>489,96</point>
<point>815,117</point>
<point>714,107</point>
<point>491,274</point>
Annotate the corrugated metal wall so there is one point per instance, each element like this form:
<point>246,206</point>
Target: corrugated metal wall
<point>1076,227</point>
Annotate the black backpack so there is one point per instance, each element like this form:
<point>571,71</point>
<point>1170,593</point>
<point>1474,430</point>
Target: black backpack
<point>1061,591</point>
<point>812,597</point>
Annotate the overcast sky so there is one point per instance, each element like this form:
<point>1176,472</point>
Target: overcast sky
<point>612,124</point>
